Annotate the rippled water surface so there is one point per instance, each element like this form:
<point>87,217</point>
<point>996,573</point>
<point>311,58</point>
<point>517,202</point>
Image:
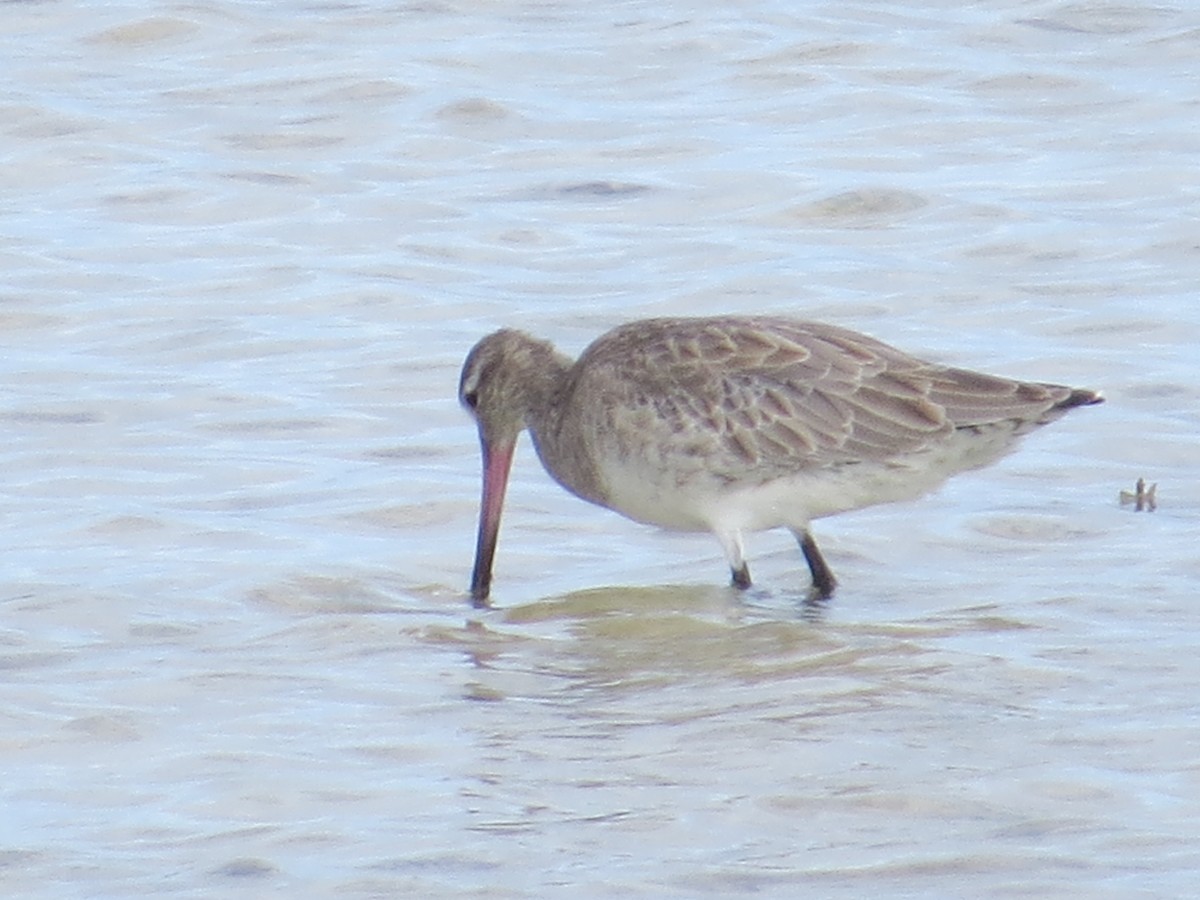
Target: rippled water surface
<point>245,248</point>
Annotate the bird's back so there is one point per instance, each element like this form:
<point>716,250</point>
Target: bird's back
<point>767,394</point>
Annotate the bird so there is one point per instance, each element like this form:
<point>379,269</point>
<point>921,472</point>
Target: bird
<point>735,424</point>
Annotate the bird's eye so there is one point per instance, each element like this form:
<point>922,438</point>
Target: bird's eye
<point>471,399</point>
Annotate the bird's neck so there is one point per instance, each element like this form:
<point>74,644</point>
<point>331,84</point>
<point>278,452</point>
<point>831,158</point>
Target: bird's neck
<point>543,383</point>
<point>560,442</point>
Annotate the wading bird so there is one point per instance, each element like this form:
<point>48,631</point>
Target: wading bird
<point>738,424</point>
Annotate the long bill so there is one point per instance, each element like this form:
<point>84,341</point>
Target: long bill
<point>497,460</point>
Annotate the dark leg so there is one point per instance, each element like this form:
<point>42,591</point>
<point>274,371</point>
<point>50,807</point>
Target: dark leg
<point>741,577</point>
<point>822,576</point>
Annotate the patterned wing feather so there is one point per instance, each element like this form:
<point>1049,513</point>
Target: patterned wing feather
<point>750,398</point>
<point>753,398</point>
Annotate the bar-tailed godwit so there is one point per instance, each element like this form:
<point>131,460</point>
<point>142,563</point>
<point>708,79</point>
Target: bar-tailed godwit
<point>738,424</point>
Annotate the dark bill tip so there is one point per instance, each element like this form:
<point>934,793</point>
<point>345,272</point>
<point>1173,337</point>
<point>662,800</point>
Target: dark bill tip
<point>496,464</point>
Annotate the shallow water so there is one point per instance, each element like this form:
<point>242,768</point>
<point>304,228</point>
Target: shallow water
<point>246,249</point>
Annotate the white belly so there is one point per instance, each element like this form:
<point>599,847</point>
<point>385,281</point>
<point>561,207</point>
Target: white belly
<point>692,499</point>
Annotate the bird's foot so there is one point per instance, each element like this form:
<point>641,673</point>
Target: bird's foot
<point>741,577</point>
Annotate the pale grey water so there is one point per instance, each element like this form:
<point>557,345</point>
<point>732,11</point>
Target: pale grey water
<point>245,248</point>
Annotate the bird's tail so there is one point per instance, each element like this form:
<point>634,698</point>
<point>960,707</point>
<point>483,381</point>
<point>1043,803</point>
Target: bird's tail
<point>1079,397</point>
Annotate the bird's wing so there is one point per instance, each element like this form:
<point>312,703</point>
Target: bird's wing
<point>972,399</point>
<point>746,397</point>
